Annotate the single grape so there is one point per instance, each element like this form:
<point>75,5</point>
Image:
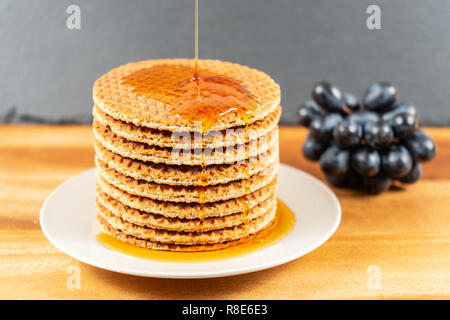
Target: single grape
<point>421,146</point>
<point>366,161</point>
<point>414,174</point>
<point>313,149</point>
<point>397,161</point>
<point>338,180</point>
<point>308,111</point>
<point>377,183</point>
<point>351,102</point>
<point>403,124</point>
<point>363,117</point>
<point>380,96</point>
<point>321,129</point>
<point>350,180</point>
<point>347,133</point>
<point>334,161</point>
<point>400,108</point>
<point>328,96</point>
<point>378,135</point>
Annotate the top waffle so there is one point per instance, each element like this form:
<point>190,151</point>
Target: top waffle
<point>123,102</point>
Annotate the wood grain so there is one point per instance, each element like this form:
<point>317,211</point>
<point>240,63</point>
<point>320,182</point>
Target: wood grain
<point>404,233</point>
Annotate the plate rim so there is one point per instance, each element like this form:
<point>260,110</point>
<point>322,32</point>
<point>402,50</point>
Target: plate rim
<point>187,275</point>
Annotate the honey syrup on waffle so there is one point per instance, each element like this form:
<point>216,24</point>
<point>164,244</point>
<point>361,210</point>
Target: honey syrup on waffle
<point>202,195</point>
<point>282,225</point>
<point>244,201</point>
<point>194,96</point>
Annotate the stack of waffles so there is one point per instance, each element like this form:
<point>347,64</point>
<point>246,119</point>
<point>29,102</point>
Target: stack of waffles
<point>168,179</point>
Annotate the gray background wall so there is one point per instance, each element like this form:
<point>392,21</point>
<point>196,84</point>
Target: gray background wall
<point>47,71</point>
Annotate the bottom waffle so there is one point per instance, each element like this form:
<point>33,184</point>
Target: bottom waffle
<point>188,238</point>
<point>141,243</point>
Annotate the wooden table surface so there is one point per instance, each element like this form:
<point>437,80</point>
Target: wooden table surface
<point>396,245</point>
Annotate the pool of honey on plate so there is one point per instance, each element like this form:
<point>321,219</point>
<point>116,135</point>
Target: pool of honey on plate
<point>283,224</point>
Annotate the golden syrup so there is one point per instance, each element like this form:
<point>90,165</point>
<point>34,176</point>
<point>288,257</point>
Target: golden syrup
<point>202,195</point>
<point>196,75</point>
<point>205,97</point>
<point>246,174</point>
<point>281,227</point>
<point>244,201</point>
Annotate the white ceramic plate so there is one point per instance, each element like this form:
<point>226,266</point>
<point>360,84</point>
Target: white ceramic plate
<point>68,221</point>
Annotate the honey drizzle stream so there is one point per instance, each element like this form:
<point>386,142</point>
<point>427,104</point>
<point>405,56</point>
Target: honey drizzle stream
<point>196,41</point>
<point>244,201</point>
<point>204,178</point>
<point>202,196</point>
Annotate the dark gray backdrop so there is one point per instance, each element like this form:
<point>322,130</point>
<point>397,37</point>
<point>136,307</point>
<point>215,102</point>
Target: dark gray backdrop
<point>47,71</point>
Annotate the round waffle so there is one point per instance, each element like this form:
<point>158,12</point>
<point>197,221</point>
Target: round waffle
<point>155,154</point>
<point>115,98</point>
<point>186,175</point>
<point>165,192</point>
<point>165,138</point>
<point>188,238</point>
<point>141,243</point>
<point>186,163</point>
<point>156,221</point>
<point>183,210</point>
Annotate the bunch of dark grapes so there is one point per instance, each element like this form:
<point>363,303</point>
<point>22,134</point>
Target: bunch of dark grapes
<point>364,144</point>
